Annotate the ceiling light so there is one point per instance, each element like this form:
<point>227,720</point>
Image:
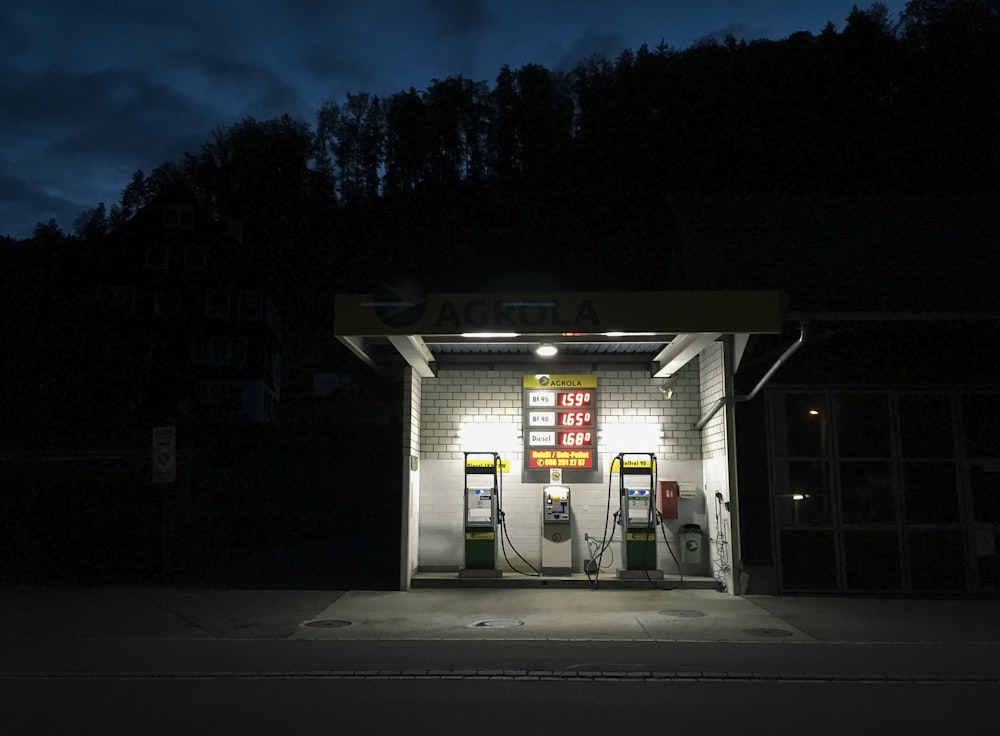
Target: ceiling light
<point>546,350</point>
<point>490,334</point>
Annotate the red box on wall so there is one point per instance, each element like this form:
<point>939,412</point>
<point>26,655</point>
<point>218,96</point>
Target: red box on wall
<point>667,492</point>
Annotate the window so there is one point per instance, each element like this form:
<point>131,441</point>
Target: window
<point>157,256</point>
<point>219,399</point>
<point>802,493</point>
<point>116,301</point>
<point>930,492</point>
<point>220,351</point>
<point>925,425</point>
<point>276,371</point>
<point>178,215</point>
<point>272,319</point>
<point>217,304</point>
<point>862,424</point>
<point>166,304</point>
<point>251,305</point>
<point>866,492</point>
<point>195,257</point>
<point>142,303</point>
<point>267,404</point>
<point>981,423</point>
<point>801,425</point>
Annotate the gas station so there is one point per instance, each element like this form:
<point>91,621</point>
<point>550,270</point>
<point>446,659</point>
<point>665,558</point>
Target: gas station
<point>570,437</point>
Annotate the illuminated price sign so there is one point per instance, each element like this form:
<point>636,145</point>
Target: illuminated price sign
<point>575,419</point>
<point>560,415</point>
<point>576,398</point>
<point>575,439</point>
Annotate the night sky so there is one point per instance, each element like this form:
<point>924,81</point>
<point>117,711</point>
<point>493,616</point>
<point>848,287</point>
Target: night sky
<point>90,92</point>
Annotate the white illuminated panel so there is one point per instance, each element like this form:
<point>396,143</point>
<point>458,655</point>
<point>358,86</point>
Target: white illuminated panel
<point>488,436</point>
<point>541,398</point>
<point>542,418</point>
<point>631,438</point>
<point>541,439</point>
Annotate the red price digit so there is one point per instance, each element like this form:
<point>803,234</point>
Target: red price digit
<point>575,418</point>
<point>575,439</point>
<point>575,398</point>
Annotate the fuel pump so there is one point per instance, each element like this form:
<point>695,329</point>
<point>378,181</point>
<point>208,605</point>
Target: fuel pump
<point>480,512</point>
<point>557,542</point>
<point>637,514</point>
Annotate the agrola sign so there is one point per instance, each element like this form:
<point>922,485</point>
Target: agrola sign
<point>408,313</point>
<point>516,315</point>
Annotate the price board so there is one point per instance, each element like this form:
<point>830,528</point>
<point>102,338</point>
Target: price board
<point>560,426</point>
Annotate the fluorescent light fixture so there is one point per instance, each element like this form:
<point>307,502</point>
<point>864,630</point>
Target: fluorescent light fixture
<point>490,334</point>
<point>546,350</point>
<point>631,437</point>
<point>629,334</point>
<point>487,436</point>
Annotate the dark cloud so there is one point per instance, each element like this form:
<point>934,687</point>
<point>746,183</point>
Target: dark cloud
<point>593,42</point>
<point>240,85</point>
<point>91,91</point>
<point>460,18</point>
<point>335,61</point>
<point>59,100</point>
<point>80,135</point>
<point>19,194</point>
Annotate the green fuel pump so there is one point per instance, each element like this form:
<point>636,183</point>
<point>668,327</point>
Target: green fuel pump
<point>637,514</point>
<point>480,514</point>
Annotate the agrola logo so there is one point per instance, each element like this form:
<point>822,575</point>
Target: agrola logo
<point>543,381</point>
<point>399,305</point>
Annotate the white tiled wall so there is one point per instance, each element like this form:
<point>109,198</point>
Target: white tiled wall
<point>716,466</point>
<point>492,400</point>
<point>712,389</point>
<point>409,549</point>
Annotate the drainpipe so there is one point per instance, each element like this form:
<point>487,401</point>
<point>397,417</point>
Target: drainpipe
<point>760,384</point>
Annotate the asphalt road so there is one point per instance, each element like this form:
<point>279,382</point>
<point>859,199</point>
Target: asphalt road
<point>288,705</point>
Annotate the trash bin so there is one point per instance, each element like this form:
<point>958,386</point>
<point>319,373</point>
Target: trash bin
<point>691,544</point>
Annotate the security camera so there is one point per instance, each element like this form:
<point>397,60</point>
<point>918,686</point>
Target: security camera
<point>667,387</point>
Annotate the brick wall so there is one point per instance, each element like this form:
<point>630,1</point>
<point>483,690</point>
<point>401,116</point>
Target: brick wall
<point>489,404</point>
<point>409,544</point>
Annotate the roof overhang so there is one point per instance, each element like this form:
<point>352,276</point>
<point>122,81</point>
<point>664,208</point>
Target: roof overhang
<point>661,330</point>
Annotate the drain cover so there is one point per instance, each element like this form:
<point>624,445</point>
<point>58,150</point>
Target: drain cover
<point>767,632</point>
<point>326,623</point>
<point>681,613</point>
<point>497,623</point>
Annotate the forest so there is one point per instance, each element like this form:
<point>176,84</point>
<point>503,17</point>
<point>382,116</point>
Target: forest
<point>576,180</point>
<point>571,159</point>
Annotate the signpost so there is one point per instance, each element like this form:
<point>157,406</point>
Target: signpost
<point>560,426</point>
<point>164,472</point>
<point>164,454</point>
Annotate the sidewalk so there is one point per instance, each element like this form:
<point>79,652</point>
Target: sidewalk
<point>166,634</point>
<point>525,614</point>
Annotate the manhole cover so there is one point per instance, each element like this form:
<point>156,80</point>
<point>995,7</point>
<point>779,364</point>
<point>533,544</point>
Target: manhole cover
<point>681,613</point>
<point>497,623</point>
<point>767,632</point>
<point>326,623</point>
